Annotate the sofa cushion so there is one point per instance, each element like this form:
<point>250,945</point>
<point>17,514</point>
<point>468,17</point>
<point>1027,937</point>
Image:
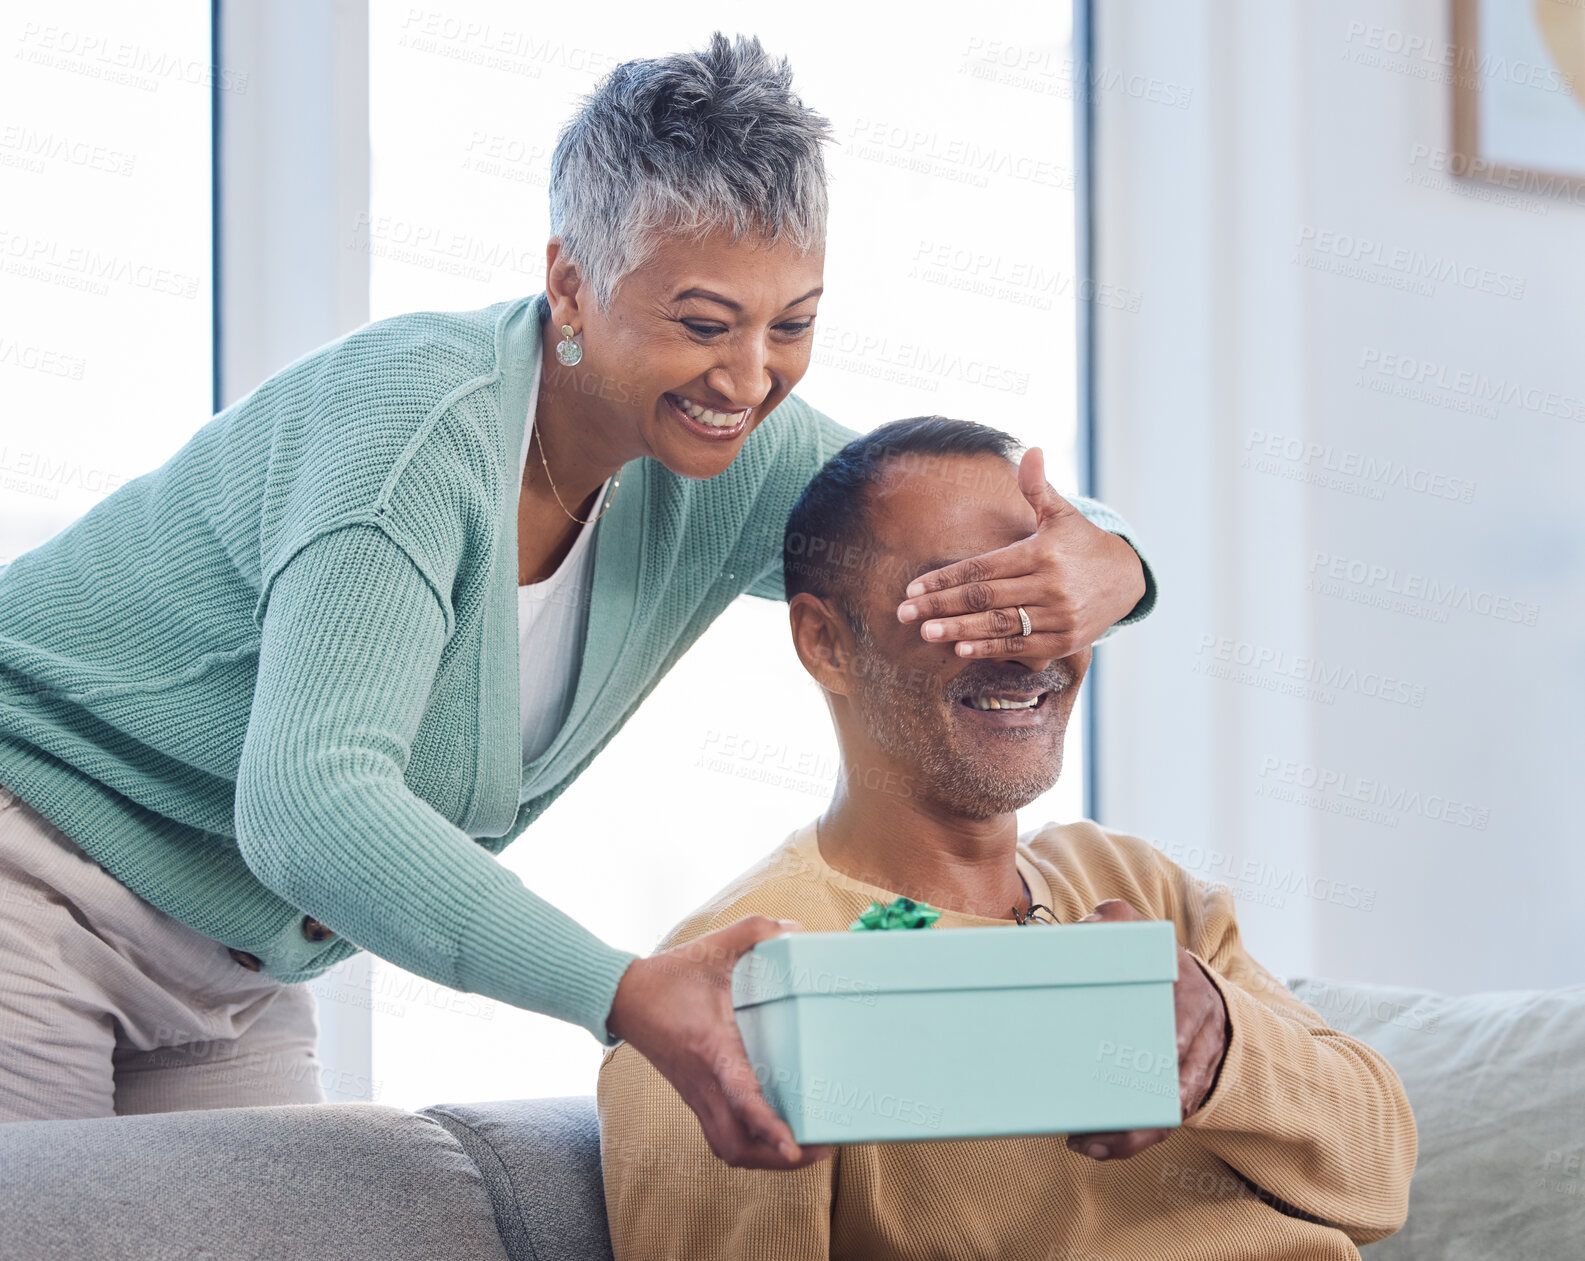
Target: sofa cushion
<point>1497,1084</point>
<point>541,1164</point>
<point>353,1181</point>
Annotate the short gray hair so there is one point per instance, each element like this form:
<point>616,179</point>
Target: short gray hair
<point>692,142</point>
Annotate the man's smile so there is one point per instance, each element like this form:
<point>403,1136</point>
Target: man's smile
<point>1005,700</point>
<point>1003,708</point>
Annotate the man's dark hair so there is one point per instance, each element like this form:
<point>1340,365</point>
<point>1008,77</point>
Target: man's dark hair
<point>828,547</point>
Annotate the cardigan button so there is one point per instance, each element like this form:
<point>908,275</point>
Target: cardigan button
<point>250,962</point>
<point>314,930</point>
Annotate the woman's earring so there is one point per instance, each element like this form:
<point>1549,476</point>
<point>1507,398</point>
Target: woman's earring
<point>567,350</point>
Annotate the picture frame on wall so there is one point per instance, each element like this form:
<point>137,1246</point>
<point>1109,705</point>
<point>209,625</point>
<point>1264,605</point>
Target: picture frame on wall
<point>1519,92</point>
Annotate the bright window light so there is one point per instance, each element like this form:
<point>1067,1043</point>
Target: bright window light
<point>105,332</point>
<point>950,289</point>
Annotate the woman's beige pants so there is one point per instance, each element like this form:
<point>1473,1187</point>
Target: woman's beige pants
<point>110,1006</point>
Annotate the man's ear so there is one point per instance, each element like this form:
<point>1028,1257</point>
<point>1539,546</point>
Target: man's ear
<point>823,640</point>
<point>563,285</point>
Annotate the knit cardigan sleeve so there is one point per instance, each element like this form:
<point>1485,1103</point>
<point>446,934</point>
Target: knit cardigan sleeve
<point>824,437</point>
<point>351,640</point>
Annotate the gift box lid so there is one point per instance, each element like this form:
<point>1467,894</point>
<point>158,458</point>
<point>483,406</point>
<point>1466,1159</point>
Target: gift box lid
<point>1013,957</point>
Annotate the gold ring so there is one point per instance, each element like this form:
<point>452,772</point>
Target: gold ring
<point>1024,618</point>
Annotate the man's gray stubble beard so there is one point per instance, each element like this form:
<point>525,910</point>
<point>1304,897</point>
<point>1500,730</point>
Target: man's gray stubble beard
<point>951,783</point>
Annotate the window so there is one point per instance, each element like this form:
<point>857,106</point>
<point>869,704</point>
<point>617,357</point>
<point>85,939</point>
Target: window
<point>105,326</point>
<point>950,289</point>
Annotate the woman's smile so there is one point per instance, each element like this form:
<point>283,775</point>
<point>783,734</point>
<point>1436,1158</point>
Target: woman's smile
<point>705,422</point>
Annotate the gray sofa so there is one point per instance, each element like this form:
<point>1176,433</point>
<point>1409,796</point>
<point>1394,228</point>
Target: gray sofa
<point>1497,1082</point>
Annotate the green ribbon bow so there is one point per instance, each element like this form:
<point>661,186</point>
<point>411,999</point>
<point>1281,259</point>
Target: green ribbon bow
<point>903,913</point>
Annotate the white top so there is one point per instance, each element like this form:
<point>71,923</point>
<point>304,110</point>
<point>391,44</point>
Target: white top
<point>552,616</point>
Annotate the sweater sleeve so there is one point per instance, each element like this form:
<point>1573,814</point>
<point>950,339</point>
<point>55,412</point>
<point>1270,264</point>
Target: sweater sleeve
<point>670,1198</point>
<point>830,437</point>
<point>350,643</point>
<point>1315,1120</point>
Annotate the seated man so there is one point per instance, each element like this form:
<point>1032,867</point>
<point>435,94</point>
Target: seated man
<point>1297,1140</point>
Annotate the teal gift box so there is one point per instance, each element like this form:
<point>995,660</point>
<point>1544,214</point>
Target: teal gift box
<point>861,1037</point>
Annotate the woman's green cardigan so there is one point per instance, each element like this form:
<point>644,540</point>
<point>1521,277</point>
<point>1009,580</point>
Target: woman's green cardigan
<point>277,676</point>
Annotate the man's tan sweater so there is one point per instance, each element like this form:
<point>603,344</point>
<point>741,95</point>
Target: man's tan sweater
<point>1303,1149</point>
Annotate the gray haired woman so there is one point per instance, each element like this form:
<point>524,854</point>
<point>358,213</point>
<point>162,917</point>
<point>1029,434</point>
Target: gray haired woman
<point>286,696</point>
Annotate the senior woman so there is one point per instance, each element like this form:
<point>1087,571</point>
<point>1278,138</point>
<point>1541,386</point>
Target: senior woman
<point>286,696</point>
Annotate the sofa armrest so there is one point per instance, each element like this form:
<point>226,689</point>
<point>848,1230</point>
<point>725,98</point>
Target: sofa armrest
<point>541,1164</point>
<point>294,1182</point>
<point>1496,1080</point>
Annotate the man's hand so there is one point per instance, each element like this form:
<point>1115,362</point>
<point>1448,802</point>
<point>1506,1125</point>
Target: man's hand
<point>675,1008</point>
<point>1073,579</point>
<point>1202,1043</point>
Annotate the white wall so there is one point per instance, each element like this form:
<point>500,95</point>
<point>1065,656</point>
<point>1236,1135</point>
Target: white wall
<point>1443,817</point>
